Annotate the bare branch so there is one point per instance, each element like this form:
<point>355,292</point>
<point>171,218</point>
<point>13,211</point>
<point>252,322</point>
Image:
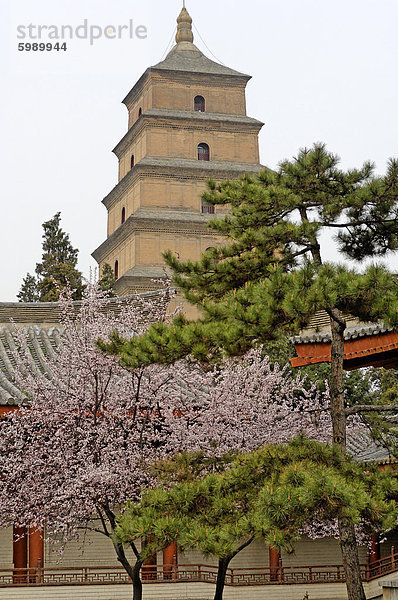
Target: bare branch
<point>88,528</point>
<point>101,516</point>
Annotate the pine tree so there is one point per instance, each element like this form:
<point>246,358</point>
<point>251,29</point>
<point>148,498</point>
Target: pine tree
<point>270,277</point>
<point>58,266</point>
<point>272,493</point>
<point>28,291</point>
<point>57,269</point>
<point>107,281</point>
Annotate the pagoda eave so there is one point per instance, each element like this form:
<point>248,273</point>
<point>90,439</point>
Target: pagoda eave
<point>183,223</point>
<point>190,120</point>
<point>180,168</point>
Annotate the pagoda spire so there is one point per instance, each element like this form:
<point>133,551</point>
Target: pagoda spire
<point>184,26</point>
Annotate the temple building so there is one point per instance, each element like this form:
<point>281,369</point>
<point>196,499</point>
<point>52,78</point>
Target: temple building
<point>365,344</point>
<point>31,568</point>
<point>187,123</point>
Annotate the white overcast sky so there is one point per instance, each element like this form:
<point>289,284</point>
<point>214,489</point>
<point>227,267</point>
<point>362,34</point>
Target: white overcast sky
<point>322,70</point>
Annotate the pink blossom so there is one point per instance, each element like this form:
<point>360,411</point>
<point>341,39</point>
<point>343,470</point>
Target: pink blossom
<point>91,429</point>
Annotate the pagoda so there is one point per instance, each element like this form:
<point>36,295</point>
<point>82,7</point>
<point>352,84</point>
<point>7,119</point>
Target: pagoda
<point>187,123</point>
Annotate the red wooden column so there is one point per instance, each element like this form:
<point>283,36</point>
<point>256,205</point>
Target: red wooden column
<point>170,561</point>
<point>36,554</point>
<point>19,553</point>
<point>149,570</point>
<point>374,551</point>
<point>274,563</point>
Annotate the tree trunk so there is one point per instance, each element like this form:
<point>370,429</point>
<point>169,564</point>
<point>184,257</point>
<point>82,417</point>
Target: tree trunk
<point>133,572</point>
<point>137,583</point>
<point>337,407</point>
<point>221,573</point>
<point>349,550</point>
<point>135,576</point>
<point>348,543</point>
<point>223,566</point>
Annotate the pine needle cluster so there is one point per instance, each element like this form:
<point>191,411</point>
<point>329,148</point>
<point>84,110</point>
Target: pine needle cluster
<point>269,278</point>
<point>272,493</point>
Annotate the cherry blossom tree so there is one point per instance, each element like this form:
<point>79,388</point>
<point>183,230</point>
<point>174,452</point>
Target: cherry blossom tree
<point>91,430</point>
<point>83,443</point>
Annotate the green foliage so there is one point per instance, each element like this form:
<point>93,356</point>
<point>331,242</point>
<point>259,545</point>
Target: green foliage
<point>28,291</point>
<point>107,281</point>
<point>271,493</point>
<point>57,268</point>
<point>185,467</point>
<point>268,279</point>
<point>283,302</point>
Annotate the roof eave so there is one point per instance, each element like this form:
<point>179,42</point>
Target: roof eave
<point>232,75</point>
<point>126,100</point>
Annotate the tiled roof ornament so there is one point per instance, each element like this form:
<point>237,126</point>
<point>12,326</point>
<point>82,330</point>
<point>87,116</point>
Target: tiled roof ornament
<point>184,27</point>
<point>185,56</point>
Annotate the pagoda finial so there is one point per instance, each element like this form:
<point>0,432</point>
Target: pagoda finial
<point>184,26</point>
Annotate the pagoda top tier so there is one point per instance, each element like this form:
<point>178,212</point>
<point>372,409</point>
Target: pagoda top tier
<point>185,56</point>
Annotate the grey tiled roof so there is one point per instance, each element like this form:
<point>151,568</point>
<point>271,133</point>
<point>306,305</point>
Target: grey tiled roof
<point>42,342</point>
<point>364,449</point>
<point>34,312</point>
<point>41,321</point>
<point>185,56</point>
<point>45,313</point>
<point>351,333</point>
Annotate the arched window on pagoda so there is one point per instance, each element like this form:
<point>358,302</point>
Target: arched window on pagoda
<point>132,162</point>
<point>123,215</point>
<point>140,112</point>
<point>116,269</point>
<point>199,104</point>
<point>203,152</point>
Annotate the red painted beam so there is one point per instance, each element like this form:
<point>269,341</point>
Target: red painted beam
<point>359,348</point>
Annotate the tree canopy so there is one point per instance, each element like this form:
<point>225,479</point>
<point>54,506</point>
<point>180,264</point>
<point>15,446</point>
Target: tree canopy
<point>107,280</point>
<point>270,277</point>
<point>91,432</point>
<point>274,493</point>
<point>57,269</point>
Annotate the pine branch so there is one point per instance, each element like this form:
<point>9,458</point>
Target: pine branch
<point>371,408</point>
<point>243,546</point>
<point>334,314</point>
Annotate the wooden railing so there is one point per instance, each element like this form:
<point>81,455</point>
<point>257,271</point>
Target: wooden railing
<point>49,576</point>
<point>381,567</point>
